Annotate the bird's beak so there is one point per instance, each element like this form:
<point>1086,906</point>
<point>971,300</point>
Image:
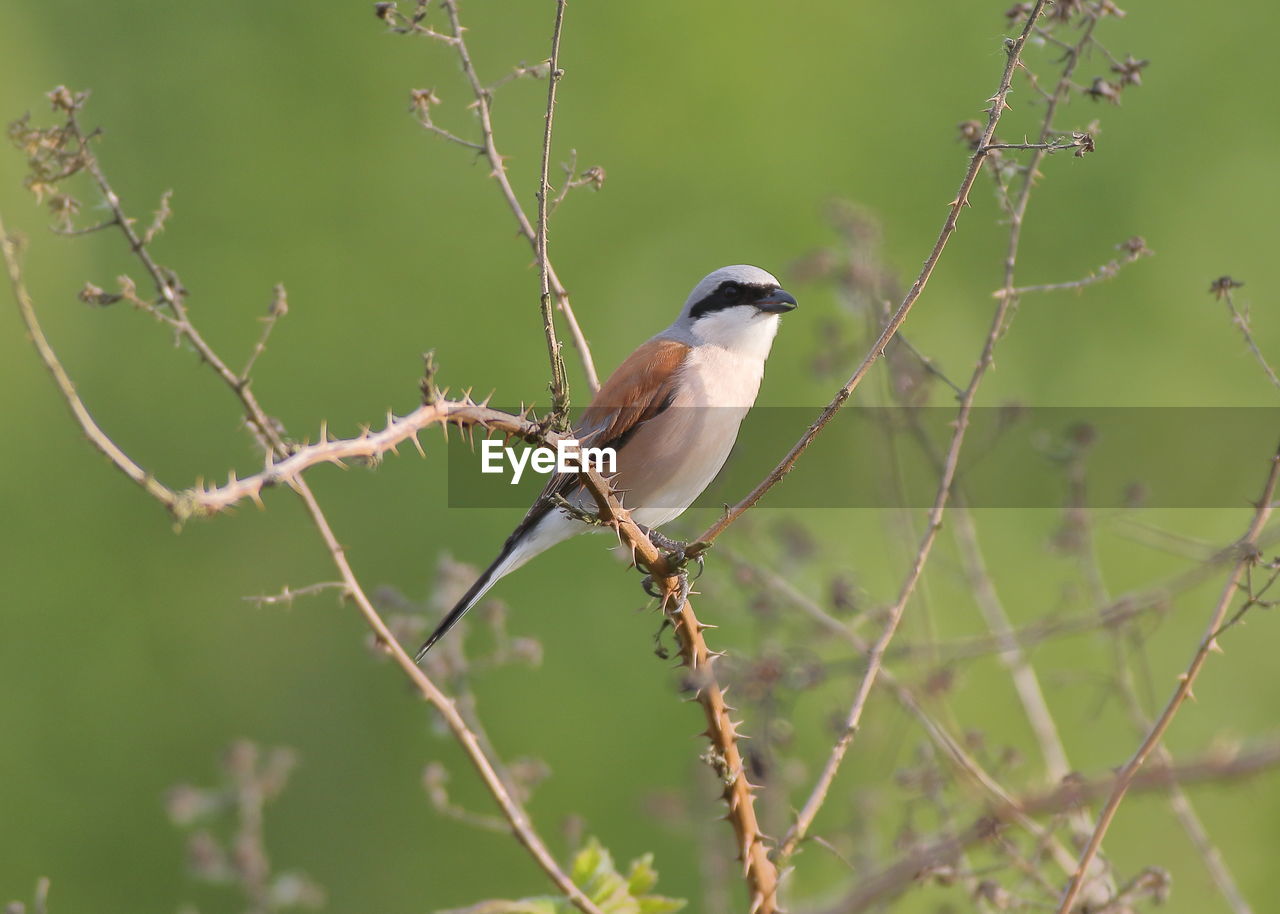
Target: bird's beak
<point>779,301</point>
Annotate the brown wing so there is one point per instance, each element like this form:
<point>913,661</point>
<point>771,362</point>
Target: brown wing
<point>641,388</point>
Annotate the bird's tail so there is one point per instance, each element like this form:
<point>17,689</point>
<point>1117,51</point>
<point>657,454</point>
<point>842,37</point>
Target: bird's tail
<point>501,565</point>
<point>544,531</point>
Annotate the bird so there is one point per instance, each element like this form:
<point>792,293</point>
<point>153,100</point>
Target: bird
<point>671,412</point>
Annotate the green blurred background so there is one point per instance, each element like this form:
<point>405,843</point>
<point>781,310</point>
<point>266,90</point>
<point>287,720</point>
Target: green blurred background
<point>129,656</point>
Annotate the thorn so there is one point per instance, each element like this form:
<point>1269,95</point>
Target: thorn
<point>418,445</point>
<point>1215,647</point>
<point>255,494</point>
<point>324,431</point>
<point>1186,679</point>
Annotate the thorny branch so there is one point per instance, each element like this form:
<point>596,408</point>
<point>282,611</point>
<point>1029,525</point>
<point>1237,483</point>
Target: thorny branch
<point>817,796</point>
<point>1249,556</point>
<point>932,858</point>
<point>285,463</point>
<point>1013,52</point>
<point>1221,289</point>
<point>172,296</point>
<point>488,148</point>
<point>559,385</point>
<point>1131,250</point>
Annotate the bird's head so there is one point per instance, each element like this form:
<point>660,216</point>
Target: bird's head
<point>736,307</point>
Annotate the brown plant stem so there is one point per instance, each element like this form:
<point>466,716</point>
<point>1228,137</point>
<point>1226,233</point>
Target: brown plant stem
<point>97,437</point>
<point>559,385</point>
<point>817,796</point>
<point>182,506</point>
<point>1013,52</point>
<point>722,731</point>
<point>875,889</point>
<point>483,104</point>
<point>1248,551</point>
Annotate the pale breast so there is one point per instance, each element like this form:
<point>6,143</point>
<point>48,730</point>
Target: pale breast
<point>673,457</point>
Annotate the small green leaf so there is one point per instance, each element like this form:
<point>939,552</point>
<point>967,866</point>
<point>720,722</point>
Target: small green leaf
<point>540,905</point>
<point>594,872</point>
<point>589,861</point>
<point>643,876</point>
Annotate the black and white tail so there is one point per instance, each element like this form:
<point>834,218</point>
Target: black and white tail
<point>540,531</point>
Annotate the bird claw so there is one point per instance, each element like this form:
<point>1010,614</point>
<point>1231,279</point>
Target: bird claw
<point>659,648</point>
<point>682,591</point>
<point>678,555</point>
<point>649,586</point>
<point>678,597</point>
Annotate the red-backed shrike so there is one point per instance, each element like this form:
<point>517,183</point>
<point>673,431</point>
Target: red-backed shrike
<point>671,412</point>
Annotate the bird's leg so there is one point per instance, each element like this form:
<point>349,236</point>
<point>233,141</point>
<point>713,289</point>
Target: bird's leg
<point>658,647</point>
<point>676,599</point>
<point>577,511</point>
<point>678,556</point>
<point>678,553</point>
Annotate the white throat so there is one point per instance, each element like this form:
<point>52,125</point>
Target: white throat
<point>743,331</point>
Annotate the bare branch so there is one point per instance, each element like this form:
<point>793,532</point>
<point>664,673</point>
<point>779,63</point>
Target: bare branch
<point>559,385</point>
<point>487,146</point>
<point>804,819</point>
<point>1133,249</point>
<point>172,294</point>
<point>1013,51</point>
<point>1214,767</point>
<point>1221,289</point>
<point>1248,552</point>
<point>97,437</point>
<point>279,308</point>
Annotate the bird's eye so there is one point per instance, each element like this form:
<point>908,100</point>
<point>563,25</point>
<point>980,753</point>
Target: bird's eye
<point>731,290</point>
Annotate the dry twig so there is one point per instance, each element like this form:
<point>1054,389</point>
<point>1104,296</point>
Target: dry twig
<point>817,796</point>
<point>487,146</point>
<point>172,296</point>
<point>1247,547</point>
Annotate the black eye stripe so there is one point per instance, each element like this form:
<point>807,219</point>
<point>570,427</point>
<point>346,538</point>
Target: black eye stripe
<point>729,294</point>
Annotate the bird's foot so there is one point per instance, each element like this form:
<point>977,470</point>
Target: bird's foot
<point>681,594</point>
<point>675,599</point>
<point>679,554</point>
<point>577,511</point>
<point>658,647</point>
